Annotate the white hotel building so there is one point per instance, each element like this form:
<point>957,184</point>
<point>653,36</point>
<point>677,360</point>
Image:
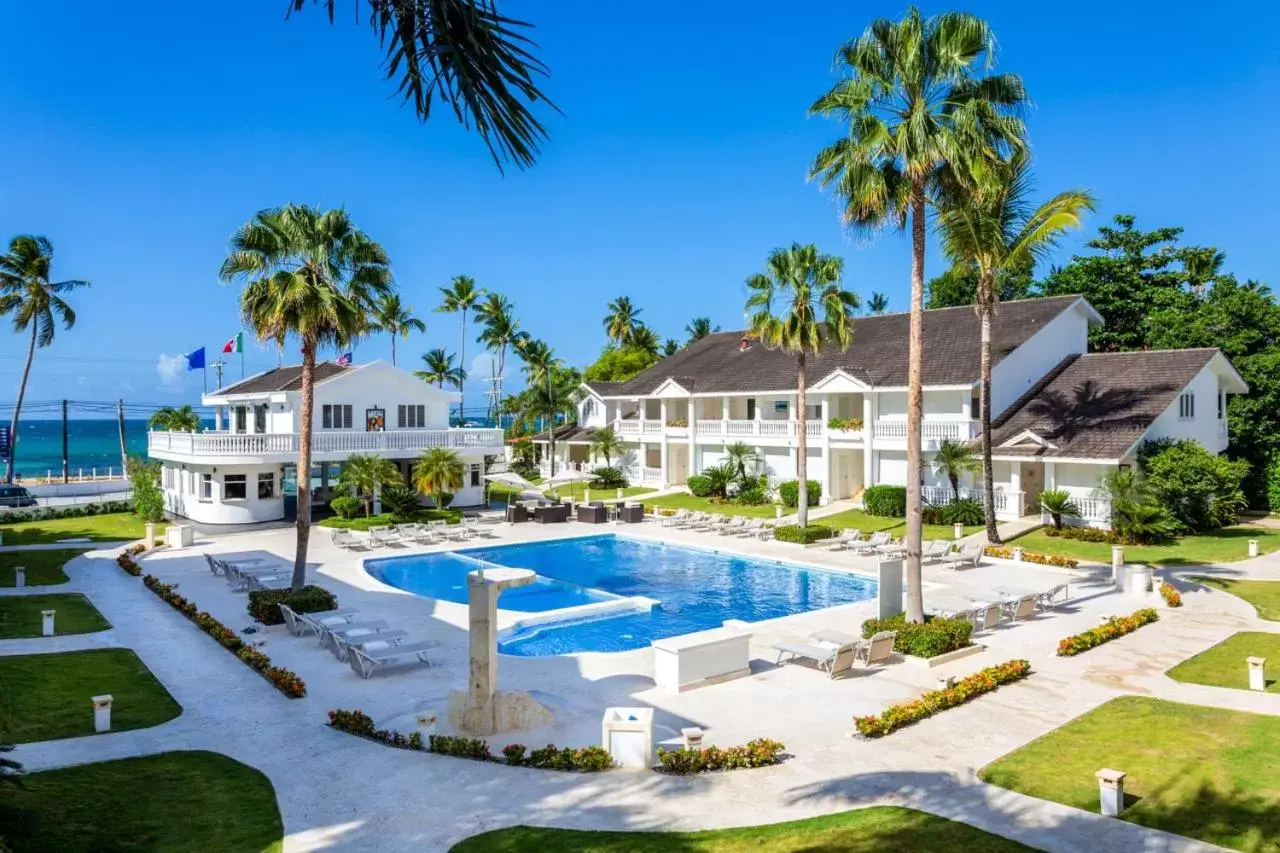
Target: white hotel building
<point>242,471</point>
<point>1061,418</point>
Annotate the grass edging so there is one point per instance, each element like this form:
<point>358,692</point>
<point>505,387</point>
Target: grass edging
<point>1113,629</point>
<point>933,701</point>
<point>284,680</point>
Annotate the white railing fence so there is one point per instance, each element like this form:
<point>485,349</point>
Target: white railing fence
<point>1008,503</point>
<point>322,441</point>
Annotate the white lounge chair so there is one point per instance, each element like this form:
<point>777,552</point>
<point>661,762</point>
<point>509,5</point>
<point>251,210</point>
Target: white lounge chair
<point>368,659</point>
<point>691,520</point>
<point>675,520</point>
<point>846,540</point>
<point>243,577</point>
<point>219,566</point>
<point>278,581</point>
<point>300,623</point>
<point>832,659</point>
<point>380,535</point>
<point>1022,609</point>
<point>1054,598</point>
<point>341,643</point>
<point>968,556</point>
<point>733,526</point>
<point>986,617</point>
<point>877,648</point>
<point>935,550</point>
<point>751,528</point>
<point>871,545</point>
<point>344,538</point>
<point>327,631</point>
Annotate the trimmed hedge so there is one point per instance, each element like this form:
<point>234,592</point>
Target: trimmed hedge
<point>789,492</point>
<point>803,535</point>
<point>48,513</point>
<point>885,501</point>
<point>685,761</point>
<point>126,562</point>
<point>1006,553</point>
<point>264,604</point>
<point>970,687</point>
<point>1171,596</point>
<point>1081,534</point>
<point>935,636</point>
<point>699,485</point>
<point>1113,629</point>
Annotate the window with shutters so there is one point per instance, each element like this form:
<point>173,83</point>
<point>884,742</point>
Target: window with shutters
<point>411,416</point>
<point>1187,407</point>
<point>335,416</point>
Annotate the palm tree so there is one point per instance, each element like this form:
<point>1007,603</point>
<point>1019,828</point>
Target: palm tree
<point>34,301</point>
<point>540,363</point>
<point>740,456</point>
<point>606,444</point>
<point>878,304</point>
<point>699,328</point>
<point>814,310</point>
<point>440,369</point>
<point>476,60</point>
<point>645,339</point>
<point>918,118</point>
<point>996,231</point>
<point>953,460</point>
<point>622,321</point>
<point>438,474</point>
<point>670,347</point>
<point>459,297</point>
<point>1058,503</point>
<point>182,419</point>
<point>366,474</point>
<point>396,320</point>
<point>500,332</point>
<point>313,274</point>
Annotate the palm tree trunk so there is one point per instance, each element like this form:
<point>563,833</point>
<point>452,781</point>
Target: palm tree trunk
<point>304,464</point>
<point>984,412</point>
<point>802,447</point>
<point>462,363</point>
<point>17,406</point>
<point>393,349</point>
<point>915,407</point>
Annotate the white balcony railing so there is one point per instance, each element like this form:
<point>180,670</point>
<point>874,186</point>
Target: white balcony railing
<point>627,427</point>
<point>1008,502</point>
<point>930,430</point>
<point>223,444</point>
<point>709,428</point>
<point>651,475</point>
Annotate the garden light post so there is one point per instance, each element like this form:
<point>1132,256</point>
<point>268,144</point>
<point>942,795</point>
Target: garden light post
<point>46,623</point>
<point>1111,791</point>
<point>1257,673</point>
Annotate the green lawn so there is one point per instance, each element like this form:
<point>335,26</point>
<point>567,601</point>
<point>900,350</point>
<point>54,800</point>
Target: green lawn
<point>1263,595</point>
<point>879,829</point>
<point>685,501</point>
<point>1205,773</point>
<point>176,802</point>
<point>20,615</point>
<point>1220,546</point>
<point>108,527</point>
<point>578,490</point>
<point>1224,666</point>
<point>361,522</point>
<point>859,520</point>
<point>47,697</point>
<point>44,568</point>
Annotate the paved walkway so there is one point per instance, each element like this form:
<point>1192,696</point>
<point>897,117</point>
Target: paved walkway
<point>338,793</point>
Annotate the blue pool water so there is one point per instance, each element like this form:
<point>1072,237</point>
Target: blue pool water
<point>697,589</point>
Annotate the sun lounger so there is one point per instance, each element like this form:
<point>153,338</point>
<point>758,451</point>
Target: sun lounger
<point>243,577</point>
<point>870,546</point>
<point>713,523</point>
<point>750,528</point>
<point>368,659</point>
<point>383,535</point>
<point>693,518</point>
<point>845,540</point>
<point>1052,599</point>
<point>831,659</point>
<point>677,519</point>
<point>986,617</point>
<point>935,550</point>
<point>763,533</point>
<point>300,623</point>
<point>877,648</point>
<point>326,632</point>
<point>342,643</point>
<point>278,581</point>
<point>1022,609</point>
<point>219,566</point>
<point>732,527</point>
<point>967,557</point>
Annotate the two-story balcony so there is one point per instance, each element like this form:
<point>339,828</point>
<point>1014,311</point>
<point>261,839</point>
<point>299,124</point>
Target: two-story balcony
<point>326,445</point>
<point>932,431</point>
<point>760,431</point>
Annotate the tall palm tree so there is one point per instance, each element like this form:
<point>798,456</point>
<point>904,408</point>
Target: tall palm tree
<point>622,321</point>
<point>918,117</point>
<point>314,274</point>
<point>540,362</point>
<point>440,369</point>
<point>460,297</point>
<point>699,328</point>
<point>438,474</point>
<point>365,474</point>
<point>395,319</point>
<point>476,60</point>
<point>181,419</point>
<point>812,310</point>
<point>645,339</point>
<point>606,444</point>
<point>878,303</point>
<point>997,230</point>
<point>952,460</point>
<point>35,303</point>
<point>500,332</point>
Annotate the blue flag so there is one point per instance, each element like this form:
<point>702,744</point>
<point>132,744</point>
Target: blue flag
<point>195,360</point>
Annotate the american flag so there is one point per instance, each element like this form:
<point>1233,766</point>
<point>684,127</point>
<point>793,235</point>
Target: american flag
<point>344,359</point>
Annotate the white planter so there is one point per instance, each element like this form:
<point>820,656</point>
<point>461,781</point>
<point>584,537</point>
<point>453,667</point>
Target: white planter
<point>705,657</point>
<point>957,530</point>
<point>1257,673</point>
<point>46,623</point>
<point>627,735</point>
<point>1253,547</point>
<point>102,713</point>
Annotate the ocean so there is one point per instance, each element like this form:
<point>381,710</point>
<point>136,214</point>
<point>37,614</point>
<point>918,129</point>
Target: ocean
<point>90,444</point>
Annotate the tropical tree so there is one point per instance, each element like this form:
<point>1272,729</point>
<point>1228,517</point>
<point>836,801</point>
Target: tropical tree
<point>499,332</point>
<point>395,319</point>
<point>540,364</point>
<point>364,474</point>
<point>670,347</point>
<point>740,456</point>
<point>460,297</point>
<point>1058,503</point>
<point>997,230</point>
<point>645,340</point>
<point>438,474</point>
<point>699,328</point>
<point>622,321</point>
<point>798,305</point>
<point>606,444</point>
<point>182,419</point>
<point>878,303</point>
<point>440,369</point>
<point>313,274</point>
<point>36,304</point>
<point>953,460</point>
<point>918,118</point>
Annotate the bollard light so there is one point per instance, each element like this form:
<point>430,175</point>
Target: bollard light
<point>19,576</point>
<point>777,510</point>
<point>1253,547</point>
<point>692,737</point>
<point>46,623</point>
<point>1257,673</point>
<point>1111,791</point>
<point>1017,554</point>
<point>102,713</point>
<point>957,530</point>
<point>151,535</point>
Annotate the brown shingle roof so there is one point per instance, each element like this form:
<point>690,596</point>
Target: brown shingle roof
<point>282,379</point>
<point>569,432</point>
<point>1097,406</point>
<point>604,389</point>
<point>877,356</point>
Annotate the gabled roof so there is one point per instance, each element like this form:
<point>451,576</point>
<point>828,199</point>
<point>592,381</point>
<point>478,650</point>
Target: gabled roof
<point>601,389</point>
<point>877,356</point>
<point>281,379</point>
<point>568,433</point>
<point>1096,406</point>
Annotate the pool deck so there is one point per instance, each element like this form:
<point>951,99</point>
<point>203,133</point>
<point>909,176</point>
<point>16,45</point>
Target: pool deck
<point>342,793</point>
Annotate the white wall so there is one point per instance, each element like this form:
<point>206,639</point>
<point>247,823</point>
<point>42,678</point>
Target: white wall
<point>941,405</point>
<point>379,385</point>
<point>1062,336</point>
<point>592,412</point>
<point>891,467</point>
<point>1205,426</point>
<point>182,494</point>
<point>1078,478</point>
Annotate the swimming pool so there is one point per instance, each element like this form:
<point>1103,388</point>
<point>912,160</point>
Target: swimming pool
<point>696,589</point>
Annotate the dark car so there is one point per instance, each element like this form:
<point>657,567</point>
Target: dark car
<point>16,496</point>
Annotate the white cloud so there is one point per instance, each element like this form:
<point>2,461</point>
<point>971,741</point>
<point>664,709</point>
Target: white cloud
<point>172,369</point>
<point>82,381</point>
<point>482,367</point>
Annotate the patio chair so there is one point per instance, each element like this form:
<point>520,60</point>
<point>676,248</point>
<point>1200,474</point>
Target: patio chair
<point>831,659</point>
<point>592,513</point>
<point>344,538</point>
<point>242,577</point>
<point>300,623</point>
<point>732,527</point>
<point>341,643</point>
<point>325,632</point>
<point>279,581</point>
<point>219,566</point>
<point>486,530</point>
<point>713,522</point>
<point>935,550</point>
<point>845,540</point>
<point>986,617</point>
<point>1054,598</point>
<point>750,528</point>
<point>1024,608</point>
<point>871,545</point>
<point>406,532</point>
<point>692,519</point>
<point>382,534</point>
<point>763,533</point>
<point>366,660</point>
<point>967,557</point>
<point>892,549</point>
<point>631,514</point>
<point>675,520</point>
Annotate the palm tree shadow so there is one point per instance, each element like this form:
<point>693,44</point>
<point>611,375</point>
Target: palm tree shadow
<point>1088,406</point>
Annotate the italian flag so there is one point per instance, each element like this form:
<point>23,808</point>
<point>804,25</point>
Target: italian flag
<point>236,344</point>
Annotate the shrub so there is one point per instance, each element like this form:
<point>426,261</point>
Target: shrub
<point>1137,516</point>
<point>844,424</point>
<point>751,495</point>
<point>513,754</point>
<point>1006,553</point>
<point>1171,596</point>
<point>144,479</point>
<point>761,752</point>
<point>1058,503</point>
<point>1115,627</point>
<point>885,501</point>
<point>935,636</point>
<point>264,604</point>
<point>608,478</point>
<point>460,747</point>
<point>716,480</point>
<point>699,485</point>
<point>1081,534</point>
<point>345,506</point>
<point>965,511</point>
<point>401,501</point>
<point>802,535</point>
<point>1201,489</point>
<point>789,492</point>
<point>48,513</point>
<point>1273,485</point>
<point>970,687</point>
<point>125,561</point>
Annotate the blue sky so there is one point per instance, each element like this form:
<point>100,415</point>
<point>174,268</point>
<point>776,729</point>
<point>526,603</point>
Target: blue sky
<point>138,140</point>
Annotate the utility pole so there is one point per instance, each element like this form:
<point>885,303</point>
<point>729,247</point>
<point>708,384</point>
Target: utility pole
<point>217,370</point>
<point>124,451</point>
<point>65,471</point>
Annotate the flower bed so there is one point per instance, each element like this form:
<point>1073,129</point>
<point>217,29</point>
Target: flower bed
<point>1116,627</point>
<point>760,752</point>
<point>284,680</point>
<point>1005,553</point>
<point>1171,596</point>
<point>125,559</point>
<point>970,687</point>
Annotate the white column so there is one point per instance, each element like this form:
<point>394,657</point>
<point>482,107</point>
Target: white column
<point>664,448</point>
<point>695,411</point>
<point>824,443</point>
<point>759,413</point>
<point>1050,475</point>
<point>662,411</point>
<point>724,415</point>
<point>966,407</point>
<point>217,418</point>
<point>868,439</point>
<point>1015,485</point>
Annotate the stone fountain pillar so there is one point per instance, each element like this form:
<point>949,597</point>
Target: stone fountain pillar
<point>482,708</point>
